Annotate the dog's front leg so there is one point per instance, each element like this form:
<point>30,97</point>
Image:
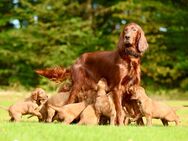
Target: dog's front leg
<point>118,105</point>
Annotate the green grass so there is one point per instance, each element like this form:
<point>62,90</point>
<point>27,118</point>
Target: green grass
<point>31,130</point>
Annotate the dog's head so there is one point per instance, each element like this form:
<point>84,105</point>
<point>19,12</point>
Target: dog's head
<point>39,95</point>
<point>132,41</point>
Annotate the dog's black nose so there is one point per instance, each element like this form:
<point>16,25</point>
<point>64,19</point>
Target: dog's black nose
<point>127,36</point>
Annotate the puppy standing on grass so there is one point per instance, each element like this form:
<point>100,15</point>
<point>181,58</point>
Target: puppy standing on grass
<point>104,104</point>
<point>153,109</point>
<point>23,108</point>
<point>28,106</point>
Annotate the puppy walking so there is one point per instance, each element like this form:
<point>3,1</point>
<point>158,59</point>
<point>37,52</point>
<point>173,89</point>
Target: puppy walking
<point>153,109</point>
<point>30,105</point>
<point>22,108</point>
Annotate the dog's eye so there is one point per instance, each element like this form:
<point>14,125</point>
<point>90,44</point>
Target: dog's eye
<point>134,29</point>
<point>125,30</point>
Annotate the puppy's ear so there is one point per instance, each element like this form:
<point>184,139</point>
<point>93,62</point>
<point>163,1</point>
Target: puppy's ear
<point>34,95</point>
<point>142,42</point>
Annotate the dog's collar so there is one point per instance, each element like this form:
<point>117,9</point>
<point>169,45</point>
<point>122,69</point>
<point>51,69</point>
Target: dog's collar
<point>128,53</point>
<point>131,53</point>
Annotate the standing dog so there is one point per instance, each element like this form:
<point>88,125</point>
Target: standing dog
<point>120,67</point>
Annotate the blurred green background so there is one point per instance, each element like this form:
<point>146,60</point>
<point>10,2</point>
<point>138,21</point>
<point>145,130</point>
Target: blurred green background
<point>45,33</point>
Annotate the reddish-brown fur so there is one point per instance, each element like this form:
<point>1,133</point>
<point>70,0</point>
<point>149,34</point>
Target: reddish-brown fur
<point>57,74</point>
<point>120,67</point>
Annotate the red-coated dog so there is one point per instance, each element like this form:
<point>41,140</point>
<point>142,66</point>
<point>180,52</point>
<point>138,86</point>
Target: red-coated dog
<point>121,68</point>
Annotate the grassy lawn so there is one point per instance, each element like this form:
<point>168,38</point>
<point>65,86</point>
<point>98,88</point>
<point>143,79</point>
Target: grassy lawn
<point>31,130</point>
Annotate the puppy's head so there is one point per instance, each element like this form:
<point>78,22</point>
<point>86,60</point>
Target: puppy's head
<point>138,93</point>
<point>102,84</point>
<point>65,87</point>
<point>39,94</point>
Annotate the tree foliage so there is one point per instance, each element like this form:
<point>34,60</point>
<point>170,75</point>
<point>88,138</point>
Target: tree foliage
<point>36,34</point>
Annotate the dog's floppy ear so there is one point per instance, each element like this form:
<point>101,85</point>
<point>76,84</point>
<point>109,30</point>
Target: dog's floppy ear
<point>142,42</point>
<point>121,42</point>
<point>34,95</point>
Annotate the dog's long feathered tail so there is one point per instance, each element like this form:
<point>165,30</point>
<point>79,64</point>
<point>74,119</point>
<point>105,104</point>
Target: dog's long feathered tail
<point>57,74</point>
<point>4,108</point>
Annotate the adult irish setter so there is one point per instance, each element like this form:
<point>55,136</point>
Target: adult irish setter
<point>121,68</point>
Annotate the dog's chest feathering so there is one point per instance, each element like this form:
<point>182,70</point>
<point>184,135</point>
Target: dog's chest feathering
<point>131,73</point>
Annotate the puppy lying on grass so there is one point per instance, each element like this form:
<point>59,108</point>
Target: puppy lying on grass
<point>88,116</point>
<point>57,100</point>
<point>60,99</point>
<point>68,112</point>
<point>104,104</point>
<point>28,106</point>
<point>153,109</point>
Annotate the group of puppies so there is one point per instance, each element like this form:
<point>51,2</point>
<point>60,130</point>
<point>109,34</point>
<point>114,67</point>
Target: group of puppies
<point>99,111</point>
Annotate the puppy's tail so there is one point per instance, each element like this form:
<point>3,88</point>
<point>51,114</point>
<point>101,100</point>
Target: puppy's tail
<point>185,106</point>
<point>57,74</point>
<point>4,108</point>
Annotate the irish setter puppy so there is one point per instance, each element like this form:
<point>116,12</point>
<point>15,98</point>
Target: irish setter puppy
<point>121,67</point>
